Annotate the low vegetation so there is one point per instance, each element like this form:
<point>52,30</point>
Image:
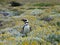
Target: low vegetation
<point>45,25</point>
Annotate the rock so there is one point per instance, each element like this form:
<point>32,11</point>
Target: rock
<point>14,4</point>
<point>5,13</point>
<point>47,18</point>
<point>9,13</point>
<point>37,12</point>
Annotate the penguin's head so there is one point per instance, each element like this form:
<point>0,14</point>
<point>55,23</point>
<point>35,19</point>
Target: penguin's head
<point>25,20</point>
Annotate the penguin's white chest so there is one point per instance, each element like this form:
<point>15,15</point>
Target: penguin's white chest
<point>27,29</point>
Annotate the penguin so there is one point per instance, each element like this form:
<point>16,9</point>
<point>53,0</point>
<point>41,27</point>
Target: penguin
<point>26,28</point>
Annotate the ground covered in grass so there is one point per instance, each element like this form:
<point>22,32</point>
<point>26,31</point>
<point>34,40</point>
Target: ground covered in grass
<point>45,23</point>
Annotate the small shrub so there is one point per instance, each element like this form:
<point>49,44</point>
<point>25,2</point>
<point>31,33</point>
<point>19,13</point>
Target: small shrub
<point>52,38</point>
<point>58,23</point>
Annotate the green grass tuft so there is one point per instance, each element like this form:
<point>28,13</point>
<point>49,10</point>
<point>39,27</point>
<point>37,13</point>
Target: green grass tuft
<point>43,4</point>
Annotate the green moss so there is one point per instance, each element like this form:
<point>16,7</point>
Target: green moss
<point>40,8</point>
<point>1,0</point>
<point>43,4</point>
<point>30,8</point>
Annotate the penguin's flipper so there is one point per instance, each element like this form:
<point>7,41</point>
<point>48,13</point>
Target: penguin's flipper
<point>30,29</point>
<point>22,31</point>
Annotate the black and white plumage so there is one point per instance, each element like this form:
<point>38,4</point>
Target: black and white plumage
<point>26,27</point>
